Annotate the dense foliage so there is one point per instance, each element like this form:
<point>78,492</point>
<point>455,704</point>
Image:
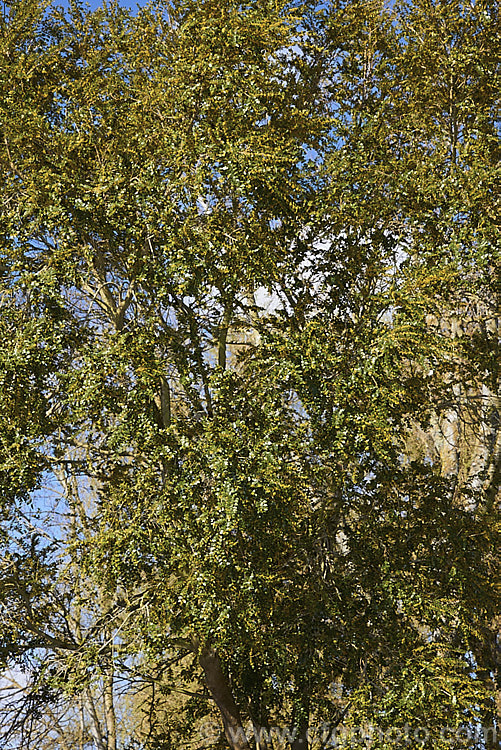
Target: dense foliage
<point>250,436</point>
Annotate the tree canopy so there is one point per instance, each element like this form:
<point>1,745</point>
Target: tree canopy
<point>250,438</point>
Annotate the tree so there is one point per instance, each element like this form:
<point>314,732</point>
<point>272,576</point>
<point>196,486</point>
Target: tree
<point>249,291</point>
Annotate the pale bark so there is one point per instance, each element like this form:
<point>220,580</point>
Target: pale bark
<point>109,710</point>
<point>95,726</point>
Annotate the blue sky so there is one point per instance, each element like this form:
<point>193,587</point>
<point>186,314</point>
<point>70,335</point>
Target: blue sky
<point>98,3</point>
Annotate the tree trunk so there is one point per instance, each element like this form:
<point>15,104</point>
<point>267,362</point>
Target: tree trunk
<point>219,688</point>
<point>109,709</point>
<point>301,713</point>
<point>300,742</point>
<point>95,726</point>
